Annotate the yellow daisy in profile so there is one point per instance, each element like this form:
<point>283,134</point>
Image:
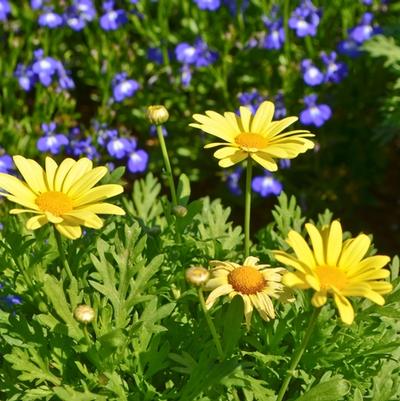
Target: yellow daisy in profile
<point>334,267</point>
<point>255,136</point>
<point>254,283</point>
<point>64,195</point>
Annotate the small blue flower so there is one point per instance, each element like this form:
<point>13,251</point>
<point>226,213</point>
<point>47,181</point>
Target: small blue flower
<point>36,4</point>
<point>112,19</point>
<point>12,300</point>
<point>50,19</point>
<point>44,67</point>
<point>266,185</point>
<point>211,5</point>
<point>6,164</point>
<point>5,9</point>
<point>198,54</point>
<point>280,108</point>
<point>276,34</point>
<point>186,75</point>
<point>26,77</point>
<point>51,141</point>
<point>232,181</point>
<point>311,74</point>
<point>284,163</point>
<point>251,99</point>
<point>155,54</point>
<point>120,147</point>
<point>236,6</point>
<point>185,53</point>
<point>105,134</point>
<point>124,87</point>
<point>335,70</point>
<point>305,19</point>
<point>137,161</point>
<point>315,114</point>
<point>82,147</point>
<point>365,30</point>
<point>79,14</point>
<point>349,47</point>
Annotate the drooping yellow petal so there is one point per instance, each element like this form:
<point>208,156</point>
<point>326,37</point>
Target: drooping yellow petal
<point>36,222</point>
<point>248,310</point>
<point>345,308</point>
<point>23,201</point>
<point>289,260</point>
<point>214,144</point>
<point>218,292</point>
<point>264,160</point>
<point>71,232</point>
<point>227,151</point>
<point>232,160</point>
<point>319,298</point>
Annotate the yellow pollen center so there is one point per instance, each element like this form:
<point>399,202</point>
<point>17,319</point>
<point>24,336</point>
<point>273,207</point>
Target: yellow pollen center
<point>54,202</point>
<point>331,276</point>
<point>246,280</point>
<point>249,140</point>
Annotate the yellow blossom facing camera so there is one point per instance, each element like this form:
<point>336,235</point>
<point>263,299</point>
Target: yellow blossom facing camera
<point>64,194</point>
<point>256,284</point>
<point>255,136</point>
<point>337,268</point>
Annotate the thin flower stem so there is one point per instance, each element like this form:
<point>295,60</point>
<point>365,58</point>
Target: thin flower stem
<point>211,325</point>
<point>247,208</point>
<point>167,165</point>
<point>62,254</point>
<point>299,353</point>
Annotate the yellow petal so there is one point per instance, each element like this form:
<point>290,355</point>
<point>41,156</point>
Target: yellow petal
<point>294,280</point>
<point>98,194</point>
<point>16,187</point>
<point>218,292</point>
<point>245,118</point>
<point>78,170</point>
<point>319,298</point>
<point>53,219</point>
<point>363,290</point>
<point>264,160</point>
<point>264,305</point>
<point>277,126</point>
<point>263,117</point>
<point>33,174</point>
<point>354,251</point>
<point>71,232</point>
<point>214,144</point>
<point>236,158</point>
<point>51,169</point>
<point>62,171</point>
<point>225,152</point>
<point>334,246</point>
<point>301,248</point>
<point>87,219</point>
<point>248,310</point>
<point>226,124</point>
<point>36,222</point>
<point>317,244</point>
<point>251,261</point>
<point>233,121</point>
<point>290,260</point>
<point>372,262</point>
<point>23,202</point>
<point>313,282</point>
<point>19,211</point>
<point>381,287</point>
<point>103,208</point>
<point>87,182</point>
<point>346,311</point>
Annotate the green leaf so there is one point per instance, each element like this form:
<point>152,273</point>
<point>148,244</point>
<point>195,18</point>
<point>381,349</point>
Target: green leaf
<point>183,192</point>
<point>331,390</point>
<point>357,395</point>
<point>232,325</point>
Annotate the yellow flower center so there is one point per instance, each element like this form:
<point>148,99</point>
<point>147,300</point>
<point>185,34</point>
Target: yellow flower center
<point>331,276</point>
<point>246,280</point>
<point>249,140</point>
<point>54,202</point>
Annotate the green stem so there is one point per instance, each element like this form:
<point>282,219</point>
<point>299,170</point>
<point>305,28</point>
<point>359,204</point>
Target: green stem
<point>62,254</point>
<point>211,326</point>
<point>309,46</point>
<point>286,28</point>
<point>247,208</point>
<point>299,353</point>
<point>167,165</point>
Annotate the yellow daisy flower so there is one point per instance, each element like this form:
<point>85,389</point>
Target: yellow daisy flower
<point>64,195</point>
<point>335,267</point>
<point>254,283</point>
<point>255,136</point>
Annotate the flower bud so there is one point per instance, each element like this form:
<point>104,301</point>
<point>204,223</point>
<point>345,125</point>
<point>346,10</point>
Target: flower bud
<point>84,314</point>
<point>197,275</point>
<point>157,114</point>
<point>180,211</point>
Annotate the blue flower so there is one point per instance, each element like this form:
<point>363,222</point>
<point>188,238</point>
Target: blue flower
<point>335,70</point>
<point>198,55</point>
<point>44,67</point>
<point>365,30</point>
<point>311,74</point>
<point>105,134</point>
<point>280,108</point>
<point>120,147</point>
<point>232,181</point>
<point>36,4</point>
<point>81,12</point>
<point>137,161</point>
<point>266,185</point>
<point>124,87</point>
<point>51,141</point>
<point>50,19</point>
<point>251,99</point>
<point>367,2</point>
<point>11,300</point>
<point>186,53</point>
<point>26,77</point>
<point>233,5</point>
<point>305,19</point>
<point>155,54</point>
<point>211,5</point>
<point>276,34</point>
<point>5,9</point>
<point>186,75</point>
<point>112,19</point>
<point>82,147</point>
<point>349,47</point>
<point>284,163</point>
<point>6,164</point>
<point>315,114</point>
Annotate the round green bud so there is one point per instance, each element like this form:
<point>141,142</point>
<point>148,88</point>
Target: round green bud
<point>180,211</point>
<point>84,314</point>
<point>197,275</point>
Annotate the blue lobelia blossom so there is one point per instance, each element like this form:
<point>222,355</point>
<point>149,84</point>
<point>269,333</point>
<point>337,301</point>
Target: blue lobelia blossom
<point>5,9</point>
<point>36,4</point>
<point>349,47</point>
<point>83,147</point>
<point>284,163</point>
<point>236,6</point>
<point>121,147</point>
<point>305,19</point>
<point>137,161</point>
<point>280,108</point>
<point>251,99</point>
<point>6,164</point>
<point>105,134</point>
<point>198,54</point>
<point>44,67</point>
<point>211,5</point>
<point>79,14</point>
<point>266,185</point>
<point>335,70</point>
<point>315,114</point>
<point>51,141</point>
<point>367,2</point>
<point>275,37</point>
<point>232,181</point>
<point>123,87</point>
<point>155,54</point>
<point>11,300</point>
<point>112,19</point>
<point>186,75</point>
<point>50,19</point>
<point>365,30</point>
<point>26,77</point>
<point>311,74</point>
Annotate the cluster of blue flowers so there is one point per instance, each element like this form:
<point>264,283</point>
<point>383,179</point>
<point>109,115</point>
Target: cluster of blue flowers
<point>44,70</point>
<point>8,301</point>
